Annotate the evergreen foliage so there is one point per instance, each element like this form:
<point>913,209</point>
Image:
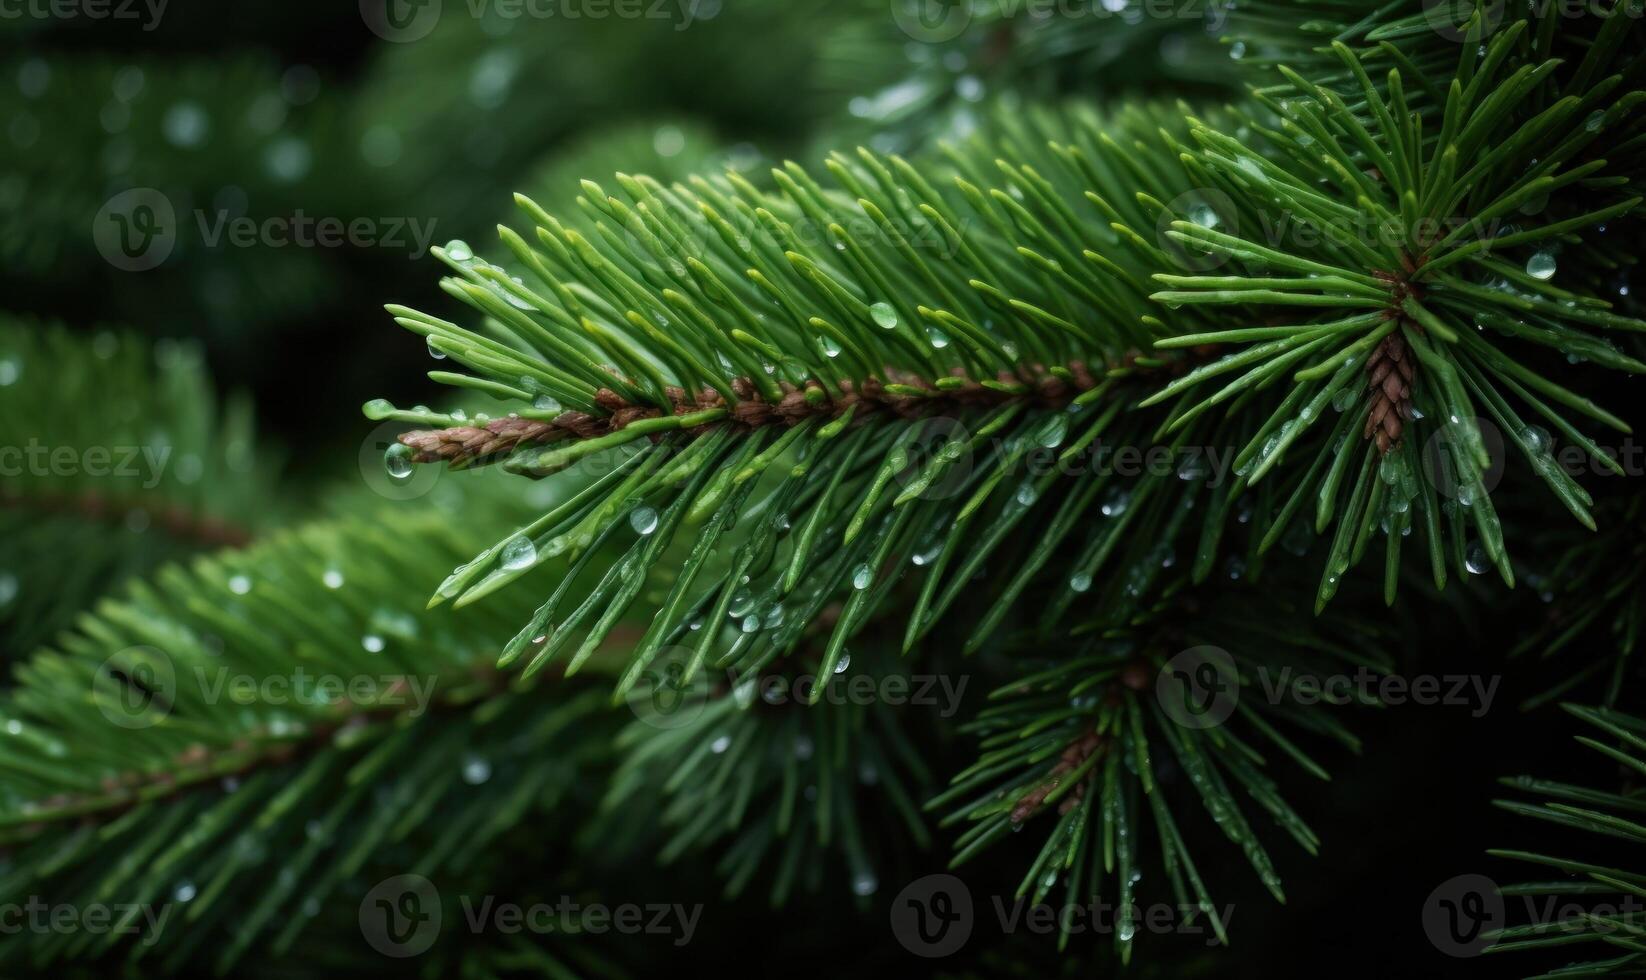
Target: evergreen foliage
<point>723,438</point>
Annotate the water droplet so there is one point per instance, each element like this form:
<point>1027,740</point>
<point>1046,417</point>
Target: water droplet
<point>668,141</point>
<point>1026,494</point>
<point>288,159</point>
<point>380,145</point>
<point>1541,265</point>
<point>1193,468</point>
<point>1080,582</point>
<point>372,643</point>
<point>884,315</point>
<point>865,884</point>
<point>519,553</point>
<point>643,520</point>
<point>938,338</point>
<point>862,577</point>
<point>1474,558</point>
<point>742,602</point>
<point>7,588</point>
<point>844,662</point>
<point>398,461</point>
<point>1203,215</point>
<point>1055,431</point>
<point>185,125</point>
<point>332,578</point>
<point>1115,502</point>
<point>750,624</point>
<point>1537,439</point>
<point>928,556</point>
<point>1344,398</point>
<point>1237,50</point>
<point>830,348</point>
<point>459,251</point>
<point>1595,121</point>
<point>476,770</point>
<point>720,744</point>
<point>240,584</point>
<point>184,892</point>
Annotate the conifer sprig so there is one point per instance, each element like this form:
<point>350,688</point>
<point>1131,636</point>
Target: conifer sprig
<point>1607,937</point>
<point>1094,745</point>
